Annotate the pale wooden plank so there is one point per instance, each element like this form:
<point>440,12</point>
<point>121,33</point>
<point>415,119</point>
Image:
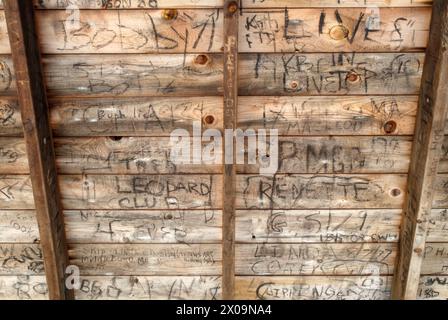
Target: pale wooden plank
<point>433,288</point>
<point>23,287</point>
<point>143,226</point>
<point>149,288</point>
<point>369,287</point>
<point>435,259</point>
<point>7,79</point>
<point>320,191</point>
<point>334,30</point>
<point>153,259</point>
<point>443,164</point>
<point>338,226</point>
<point>10,119</point>
<point>21,259</point>
<point>315,259</point>
<point>13,158</point>
<point>18,226</point>
<point>333,3</point>
<point>16,192</point>
<point>330,74</point>
<point>438,226</point>
<point>140,191</point>
<point>440,192</point>
<point>346,154</point>
<point>127,155</point>
<point>329,115</point>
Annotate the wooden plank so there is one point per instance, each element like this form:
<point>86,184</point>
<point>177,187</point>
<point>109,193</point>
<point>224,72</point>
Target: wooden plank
<point>7,77</point>
<point>140,191</point>
<point>18,226</point>
<point>230,80</point>
<point>367,287</point>
<point>13,158</point>
<point>23,287</point>
<point>149,288</point>
<point>435,259</point>
<point>16,192</point>
<point>302,226</point>
<point>320,191</point>
<point>315,259</point>
<point>443,165</point>
<point>429,136</point>
<point>332,3</point>
<point>21,259</point>
<point>334,29</point>
<point>39,145</point>
<point>143,226</point>
<point>330,74</point>
<point>128,155</point>
<point>329,115</point>
<point>348,154</point>
<point>440,192</point>
<point>438,226</point>
<point>10,119</point>
<point>433,288</point>
<point>153,259</point>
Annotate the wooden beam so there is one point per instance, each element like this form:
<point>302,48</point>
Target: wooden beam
<point>427,148</point>
<point>229,181</point>
<point>39,143</point>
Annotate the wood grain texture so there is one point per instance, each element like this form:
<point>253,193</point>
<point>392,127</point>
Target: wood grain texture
<point>149,288</point>
<point>435,259</point>
<point>18,226</point>
<point>143,226</point>
<point>13,158</point>
<point>438,226</point>
<point>21,259</point>
<point>154,259</point>
<point>23,287</point>
<point>328,115</point>
<point>16,192</point>
<point>314,226</point>
<point>332,3</point>
<point>330,74</point>
<point>440,192</point>
<point>315,259</point>
<point>433,288</point>
<point>320,191</point>
<point>346,154</point>
<point>369,287</point>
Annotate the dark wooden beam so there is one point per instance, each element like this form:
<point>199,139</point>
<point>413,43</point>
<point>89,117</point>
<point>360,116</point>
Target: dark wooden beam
<point>229,182</point>
<point>426,152</point>
<point>39,142</point>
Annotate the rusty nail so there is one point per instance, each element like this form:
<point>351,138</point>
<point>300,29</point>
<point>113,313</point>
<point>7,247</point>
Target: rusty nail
<point>390,126</point>
<point>395,192</point>
<point>232,7</point>
<point>201,59</point>
<point>294,84</point>
<point>352,77</point>
<point>169,14</point>
<point>209,119</point>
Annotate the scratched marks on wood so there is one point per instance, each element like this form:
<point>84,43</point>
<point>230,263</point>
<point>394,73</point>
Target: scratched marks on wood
<point>10,119</point>
<point>330,74</point>
<point>329,115</point>
<point>332,3</point>
<point>13,158</point>
<point>18,226</point>
<point>320,191</point>
<point>7,83</point>
<point>16,192</point>
<point>435,259</point>
<point>21,259</point>
<point>140,191</point>
<point>438,226</point>
<point>433,288</point>
<point>143,226</point>
<point>330,30</point>
<point>443,164</point>
<point>441,191</point>
<point>315,259</point>
<point>369,287</point>
<point>23,287</point>
<point>149,288</point>
<point>121,75</point>
<point>339,226</point>
<point>377,154</point>
<point>154,259</point>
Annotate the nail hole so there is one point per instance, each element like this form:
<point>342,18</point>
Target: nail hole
<point>233,6</point>
<point>339,32</point>
<point>115,138</point>
<point>352,77</point>
<point>201,59</point>
<point>169,216</point>
<point>209,119</point>
<point>169,14</point>
<point>253,236</point>
<point>395,192</point>
<point>390,127</point>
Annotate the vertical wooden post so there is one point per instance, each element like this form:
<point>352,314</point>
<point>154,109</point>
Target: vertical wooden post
<point>39,143</point>
<point>230,106</point>
<point>426,151</point>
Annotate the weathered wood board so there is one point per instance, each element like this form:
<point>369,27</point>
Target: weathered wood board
<point>320,191</point>
<point>329,115</point>
<point>348,154</point>
<point>441,192</point>
<point>149,288</point>
<point>154,259</point>
<point>438,226</point>
<point>143,226</point>
<point>16,192</point>
<point>332,3</point>
<point>23,287</point>
<point>433,288</point>
<point>140,191</point>
<point>443,164</point>
<point>315,259</point>
<point>314,226</point>
<point>21,259</point>
<point>13,157</point>
<point>18,226</point>
<point>369,287</point>
<point>435,259</point>
<point>10,119</point>
<point>330,74</point>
